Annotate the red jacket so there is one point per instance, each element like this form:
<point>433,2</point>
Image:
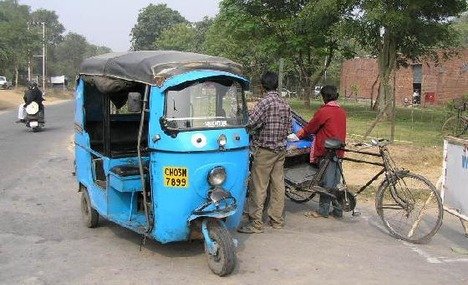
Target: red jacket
<point>328,122</point>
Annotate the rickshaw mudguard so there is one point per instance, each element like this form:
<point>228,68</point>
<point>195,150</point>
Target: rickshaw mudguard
<point>221,210</point>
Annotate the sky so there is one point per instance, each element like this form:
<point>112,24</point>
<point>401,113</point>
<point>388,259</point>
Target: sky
<point>109,22</point>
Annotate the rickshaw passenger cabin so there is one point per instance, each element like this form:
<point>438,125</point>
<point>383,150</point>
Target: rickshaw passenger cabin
<point>161,146</point>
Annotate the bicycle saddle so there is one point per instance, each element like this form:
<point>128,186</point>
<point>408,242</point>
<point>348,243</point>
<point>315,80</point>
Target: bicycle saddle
<point>334,144</point>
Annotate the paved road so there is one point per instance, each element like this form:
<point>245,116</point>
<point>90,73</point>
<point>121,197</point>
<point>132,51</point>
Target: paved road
<point>43,241</point>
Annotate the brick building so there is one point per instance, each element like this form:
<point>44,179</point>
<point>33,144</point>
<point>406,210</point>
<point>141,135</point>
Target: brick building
<point>436,83</point>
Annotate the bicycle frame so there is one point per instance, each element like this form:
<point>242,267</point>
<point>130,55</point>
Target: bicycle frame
<point>375,177</point>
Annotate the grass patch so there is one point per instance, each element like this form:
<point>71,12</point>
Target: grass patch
<point>417,126</point>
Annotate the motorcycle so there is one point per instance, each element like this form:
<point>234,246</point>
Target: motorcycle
<point>34,118</point>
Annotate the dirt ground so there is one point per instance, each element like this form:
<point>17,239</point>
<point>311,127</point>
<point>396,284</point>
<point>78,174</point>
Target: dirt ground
<point>10,99</point>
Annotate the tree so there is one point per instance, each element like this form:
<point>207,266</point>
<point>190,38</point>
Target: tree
<point>152,20</point>
<point>305,33</point>
<point>54,29</point>
<point>16,41</point>
<point>201,29</point>
<point>235,34</point>
<point>461,26</point>
<point>72,51</point>
<point>400,32</point>
<point>53,36</point>
<point>179,37</point>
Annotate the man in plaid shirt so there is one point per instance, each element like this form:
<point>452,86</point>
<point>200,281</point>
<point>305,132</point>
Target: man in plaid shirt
<point>270,123</point>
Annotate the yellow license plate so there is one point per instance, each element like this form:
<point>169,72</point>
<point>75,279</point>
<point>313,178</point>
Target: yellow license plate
<point>175,176</point>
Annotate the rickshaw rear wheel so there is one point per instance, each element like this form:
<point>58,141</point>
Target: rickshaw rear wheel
<point>90,215</point>
<point>297,195</point>
<point>224,261</point>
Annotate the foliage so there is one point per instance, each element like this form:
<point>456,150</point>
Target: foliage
<point>152,21</point>
<point>179,37</point>
<point>22,39</point>
<point>72,51</point>
<point>55,29</point>
<point>53,36</point>
<point>400,32</point>
<point>461,26</point>
<point>237,35</point>
<point>16,40</point>
<point>305,33</point>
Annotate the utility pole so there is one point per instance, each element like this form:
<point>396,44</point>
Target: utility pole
<point>43,58</point>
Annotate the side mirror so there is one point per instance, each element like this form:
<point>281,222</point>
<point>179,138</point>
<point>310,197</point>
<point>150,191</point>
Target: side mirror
<point>134,102</point>
<point>169,127</point>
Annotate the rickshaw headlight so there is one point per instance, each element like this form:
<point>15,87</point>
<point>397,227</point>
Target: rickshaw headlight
<point>217,176</point>
<point>222,141</point>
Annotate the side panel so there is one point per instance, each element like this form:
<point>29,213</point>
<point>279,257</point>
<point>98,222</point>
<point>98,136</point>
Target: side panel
<point>83,159</point>
<point>79,103</point>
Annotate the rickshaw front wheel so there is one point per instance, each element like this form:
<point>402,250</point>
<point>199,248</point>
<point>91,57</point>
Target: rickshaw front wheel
<point>222,262</point>
<point>90,215</point>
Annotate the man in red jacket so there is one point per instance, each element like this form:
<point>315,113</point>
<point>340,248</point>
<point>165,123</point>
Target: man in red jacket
<point>328,122</point>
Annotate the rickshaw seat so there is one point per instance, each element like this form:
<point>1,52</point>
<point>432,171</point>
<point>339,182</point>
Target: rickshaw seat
<point>127,170</point>
<point>334,144</point>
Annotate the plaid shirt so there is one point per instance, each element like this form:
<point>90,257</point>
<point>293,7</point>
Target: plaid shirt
<point>270,122</point>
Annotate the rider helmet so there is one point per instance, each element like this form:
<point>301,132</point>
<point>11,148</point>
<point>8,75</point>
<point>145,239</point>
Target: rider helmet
<point>32,85</point>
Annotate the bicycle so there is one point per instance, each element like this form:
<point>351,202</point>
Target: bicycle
<point>456,125</point>
<point>408,204</point>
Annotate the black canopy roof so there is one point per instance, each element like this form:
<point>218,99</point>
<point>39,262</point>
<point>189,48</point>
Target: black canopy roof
<point>146,66</point>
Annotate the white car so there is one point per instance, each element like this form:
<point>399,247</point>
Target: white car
<point>4,84</point>
<point>317,90</point>
<point>286,93</point>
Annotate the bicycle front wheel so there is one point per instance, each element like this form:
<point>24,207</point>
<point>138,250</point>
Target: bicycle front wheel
<point>410,207</point>
<point>450,127</point>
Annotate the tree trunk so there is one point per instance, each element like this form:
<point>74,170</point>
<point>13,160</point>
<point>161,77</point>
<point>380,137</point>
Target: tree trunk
<point>387,63</point>
<point>372,104</point>
<point>393,113</point>
<point>307,89</point>
<point>16,76</point>
<point>311,78</point>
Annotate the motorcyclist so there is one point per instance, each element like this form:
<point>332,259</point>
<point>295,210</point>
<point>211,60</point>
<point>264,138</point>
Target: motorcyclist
<point>32,94</point>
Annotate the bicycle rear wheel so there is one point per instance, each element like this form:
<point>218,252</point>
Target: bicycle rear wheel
<point>410,207</point>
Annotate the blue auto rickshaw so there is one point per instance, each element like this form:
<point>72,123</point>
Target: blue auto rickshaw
<point>161,147</point>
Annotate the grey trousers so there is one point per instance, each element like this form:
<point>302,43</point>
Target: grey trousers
<point>331,178</point>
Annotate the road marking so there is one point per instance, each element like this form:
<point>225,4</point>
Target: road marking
<point>415,248</point>
<point>455,260</point>
<point>421,252</point>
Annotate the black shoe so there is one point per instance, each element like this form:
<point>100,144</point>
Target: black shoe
<point>337,216</point>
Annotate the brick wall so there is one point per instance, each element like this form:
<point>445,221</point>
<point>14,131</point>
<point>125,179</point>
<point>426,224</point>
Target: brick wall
<point>446,81</point>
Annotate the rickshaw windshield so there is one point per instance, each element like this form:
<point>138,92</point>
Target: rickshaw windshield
<point>212,103</point>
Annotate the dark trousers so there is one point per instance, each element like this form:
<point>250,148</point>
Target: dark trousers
<point>330,181</point>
